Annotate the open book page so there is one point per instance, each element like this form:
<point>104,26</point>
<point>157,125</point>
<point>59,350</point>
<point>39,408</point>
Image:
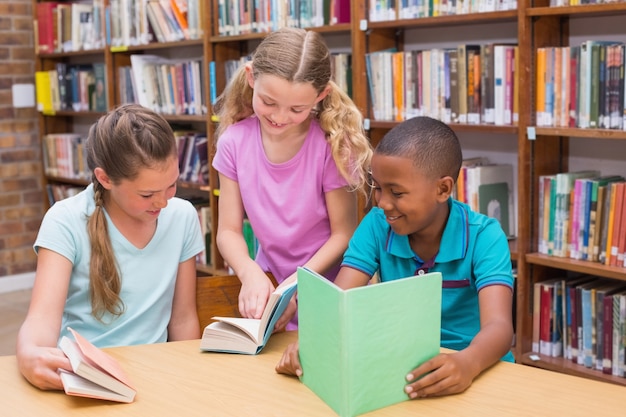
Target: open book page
<point>256,328</point>
<point>81,387</point>
<point>251,327</point>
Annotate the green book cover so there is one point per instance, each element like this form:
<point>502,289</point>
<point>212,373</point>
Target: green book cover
<point>493,201</point>
<point>356,346</point>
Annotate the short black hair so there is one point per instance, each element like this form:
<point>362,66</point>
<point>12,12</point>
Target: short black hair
<point>430,143</point>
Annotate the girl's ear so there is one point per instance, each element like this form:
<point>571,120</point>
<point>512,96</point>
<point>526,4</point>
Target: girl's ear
<point>103,178</point>
<point>249,74</point>
<point>445,187</point>
<point>323,94</point>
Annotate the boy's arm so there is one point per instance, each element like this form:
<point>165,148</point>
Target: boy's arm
<point>289,364</point>
<point>453,373</point>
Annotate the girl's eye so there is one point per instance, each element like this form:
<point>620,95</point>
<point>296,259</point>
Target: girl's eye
<point>146,196</point>
<point>267,104</point>
<point>297,111</point>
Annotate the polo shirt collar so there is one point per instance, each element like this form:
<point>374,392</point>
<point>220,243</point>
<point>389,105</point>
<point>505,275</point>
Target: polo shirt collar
<point>454,242</point>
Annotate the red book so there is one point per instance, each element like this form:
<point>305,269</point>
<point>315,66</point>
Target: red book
<point>573,92</point>
<point>45,27</point>
<point>621,236</point>
<point>545,318</point>
<point>341,12</point>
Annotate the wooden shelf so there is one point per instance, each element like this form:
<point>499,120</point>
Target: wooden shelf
<point>583,10</point>
<point>568,367</point>
<point>457,127</point>
<point>581,133</point>
<point>574,265</point>
<point>448,20</point>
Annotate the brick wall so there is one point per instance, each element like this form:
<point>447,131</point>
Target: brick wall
<point>21,195</point>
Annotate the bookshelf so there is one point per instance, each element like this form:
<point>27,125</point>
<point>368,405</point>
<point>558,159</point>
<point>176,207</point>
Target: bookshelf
<point>551,150</point>
<point>124,41</point>
<point>533,24</point>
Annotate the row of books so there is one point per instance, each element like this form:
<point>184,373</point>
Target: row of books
<point>560,3</point>
<point>193,154</point>
<point>58,192</point>
<point>64,156</point>
<point>582,215</point>
<point>166,86</point>
<point>67,27</point>
<point>488,189</point>
<point>238,17</point>
<point>582,319</point>
<point>471,84</point>
<point>382,10</point>
<point>78,26</point>
<point>169,21</point>
<point>71,87</point>
<point>581,86</point>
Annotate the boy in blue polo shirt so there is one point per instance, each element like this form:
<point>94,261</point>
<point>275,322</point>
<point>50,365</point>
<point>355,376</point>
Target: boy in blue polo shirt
<point>418,227</point>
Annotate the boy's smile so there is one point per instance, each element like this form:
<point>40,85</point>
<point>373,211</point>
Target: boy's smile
<point>412,202</point>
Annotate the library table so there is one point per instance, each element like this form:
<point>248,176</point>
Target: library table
<point>177,379</point>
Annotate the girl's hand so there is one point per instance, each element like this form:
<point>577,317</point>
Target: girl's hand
<point>253,296</point>
<point>40,365</point>
<point>444,374</point>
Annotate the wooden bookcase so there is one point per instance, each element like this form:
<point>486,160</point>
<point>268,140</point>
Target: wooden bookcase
<point>542,26</point>
<point>535,25</point>
<point>114,58</point>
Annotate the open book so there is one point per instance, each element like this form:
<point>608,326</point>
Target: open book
<point>241,335</point>
<point>95,373</point>
<point>357,345</point>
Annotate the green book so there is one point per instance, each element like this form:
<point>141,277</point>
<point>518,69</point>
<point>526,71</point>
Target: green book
<point>357,346</point>
<point>493,201</point>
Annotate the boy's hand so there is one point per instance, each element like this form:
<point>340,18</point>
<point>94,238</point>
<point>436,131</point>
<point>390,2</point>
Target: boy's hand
<point>289,364</point>
<point>287,315</point>
<point>444,374</point>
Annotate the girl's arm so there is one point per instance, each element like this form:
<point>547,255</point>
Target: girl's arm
<point>184,323</point>
<point>38,357</point>
<point>255,285</point>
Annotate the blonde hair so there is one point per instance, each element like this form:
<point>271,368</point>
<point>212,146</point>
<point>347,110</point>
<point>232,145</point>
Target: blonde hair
<point>301,56</point>
<point>122,142</point>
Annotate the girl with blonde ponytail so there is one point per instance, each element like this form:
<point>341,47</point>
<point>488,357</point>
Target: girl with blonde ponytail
<point>291,156</point>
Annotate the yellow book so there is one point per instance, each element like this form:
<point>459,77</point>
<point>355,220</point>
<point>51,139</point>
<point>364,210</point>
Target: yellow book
<point>398,86</point>
<point>43,92</point>
<point>609,232</point>
<point>540,103</point>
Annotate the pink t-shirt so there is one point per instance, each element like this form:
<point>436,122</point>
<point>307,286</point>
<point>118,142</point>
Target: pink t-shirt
<point>284,202</point>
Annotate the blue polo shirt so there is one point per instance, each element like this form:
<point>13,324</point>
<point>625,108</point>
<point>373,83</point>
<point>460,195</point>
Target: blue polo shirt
<point>473,254</point>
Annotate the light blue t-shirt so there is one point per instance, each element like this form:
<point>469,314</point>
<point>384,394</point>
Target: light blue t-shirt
<point>148,275</point>
<point>473,254</point>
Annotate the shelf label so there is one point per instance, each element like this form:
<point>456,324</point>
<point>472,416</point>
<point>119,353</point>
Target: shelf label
<point>121,48</point>
<point>530,132</point>
<point>363,25</point>
<point>366,124</point>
